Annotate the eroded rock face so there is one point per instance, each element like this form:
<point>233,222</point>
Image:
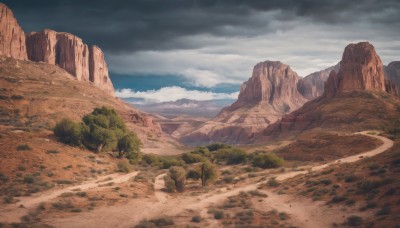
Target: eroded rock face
<point>12,37</point>
<point>351,97</point>
<point>312,86</point>
<point>274,83</point>
<point>70,53</point>
<point>392,73</point>
<point>98,71</point>
<point>263,99</point>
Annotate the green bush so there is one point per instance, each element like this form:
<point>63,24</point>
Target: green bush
<point>169,184</point>
<point>29,179</point>
<point>178,175</point>
<point>129,145</point>
<point>193,174</point>
<point>218,214</point>
<point>24,147</point>
<point>231,156</point>
<point>272,182</point>
<point>267,161</point>
<point>151,159</point>
<point>217,146</point>
<point>68,132</point>
<point>207,172</point>
<point>167,162</point>
<point>190,158</point>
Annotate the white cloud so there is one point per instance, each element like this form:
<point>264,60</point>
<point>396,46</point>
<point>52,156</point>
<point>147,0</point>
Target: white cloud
<point>172,94</point>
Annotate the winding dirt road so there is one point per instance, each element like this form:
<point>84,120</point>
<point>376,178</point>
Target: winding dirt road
<point>304,212</point>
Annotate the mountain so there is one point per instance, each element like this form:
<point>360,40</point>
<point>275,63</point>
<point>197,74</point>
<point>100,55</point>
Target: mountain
<point>264,98</point>
<point>356,98</point>
<point>58,48</point>
<point>171,109</point>
<point>312,86</point>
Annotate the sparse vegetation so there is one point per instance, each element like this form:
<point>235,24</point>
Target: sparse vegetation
<point>24,147</point>
<point>266,160</point>
<point>124,166</point>
<point>178,175</point>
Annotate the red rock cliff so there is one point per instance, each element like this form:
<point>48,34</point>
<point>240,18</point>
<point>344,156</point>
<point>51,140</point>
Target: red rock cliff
<point>360,69</point>
<point>12,37</point>
<point>70,53</point>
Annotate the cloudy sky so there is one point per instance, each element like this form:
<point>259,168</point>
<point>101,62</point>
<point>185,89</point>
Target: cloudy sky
<point>203,49</point>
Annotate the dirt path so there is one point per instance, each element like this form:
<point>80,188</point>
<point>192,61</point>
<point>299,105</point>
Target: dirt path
<point>12,213</point>
<point>303,211</point>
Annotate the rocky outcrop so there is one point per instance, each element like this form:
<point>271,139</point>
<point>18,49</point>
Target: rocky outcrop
<point>70,53</point>
<point>355,96</point>
<point>263,99</point>
<point>392,73</point>
<point>312,86</point>
<point>98,71</point>
<point>58,48</point>
<point>274,83</point>
<point>12,37</point>
<point>361,69</point>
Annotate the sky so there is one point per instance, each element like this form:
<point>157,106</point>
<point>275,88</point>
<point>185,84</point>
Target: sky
<point>202,49</point>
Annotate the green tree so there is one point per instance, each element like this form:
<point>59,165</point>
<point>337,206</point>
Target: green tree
<point>178,174</point>
<point>207,172</point>
<point>190,158</point>
<point>103,128</point>
<point>68,132</point>
<point>129,145</point>
<point>231,156</point>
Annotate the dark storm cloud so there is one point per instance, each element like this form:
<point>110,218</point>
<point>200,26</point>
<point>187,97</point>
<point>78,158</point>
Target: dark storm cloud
<point>129,26</point>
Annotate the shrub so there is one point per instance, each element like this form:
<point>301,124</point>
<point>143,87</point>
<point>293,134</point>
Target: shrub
<point>196,219</point>
<point>24,147</point>
<point>29,179</point>
<point>267,161</point>
<point>326,181</point>
<point>124,166</point>
<point>178,175</point>
<point>231,156</point>
<point>351,178</point>
<point>190,158</point>
<point>207,172</point>
<point>384,211</point>
<point>218,214</point>
<point>129,145</point>
<point>337,199</point>
<point>68,132</point>
<point>53,151</point>
<point>354,220</point>
<point>272,182</point>
<point>169,184</point>
<point>151,159</point>
<point>193,174</point>
<point>203,151</point>
<point>217,146</point>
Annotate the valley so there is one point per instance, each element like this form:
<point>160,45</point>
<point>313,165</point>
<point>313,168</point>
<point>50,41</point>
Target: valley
<point>320,150</point>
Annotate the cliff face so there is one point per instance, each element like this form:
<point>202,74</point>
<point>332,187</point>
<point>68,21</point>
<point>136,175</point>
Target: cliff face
<point>12,37</point>
<point>70,53</point>
<point>274,83</point>
<point>98,71</point>
<point>361,69</point>
<point>58,48</point>
<point>312,86</point>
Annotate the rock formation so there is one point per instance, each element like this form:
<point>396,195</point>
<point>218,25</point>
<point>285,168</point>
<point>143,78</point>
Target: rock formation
<point>351,96</point>
<point>263,99</point>
<point>361,69</point>
<point>58,48</point>
<point>312,86</point>
<point>70,53</point>
<point>392,72</point>
<point>98,71</point>
<point>12,37</point>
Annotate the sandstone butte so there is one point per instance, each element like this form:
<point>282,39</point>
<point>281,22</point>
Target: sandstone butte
<point>360,71</point>
<point>58,48</point>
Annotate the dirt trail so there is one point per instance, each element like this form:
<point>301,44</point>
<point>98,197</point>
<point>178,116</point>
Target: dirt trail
<point>12,213</point>
<point>302,211</point>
